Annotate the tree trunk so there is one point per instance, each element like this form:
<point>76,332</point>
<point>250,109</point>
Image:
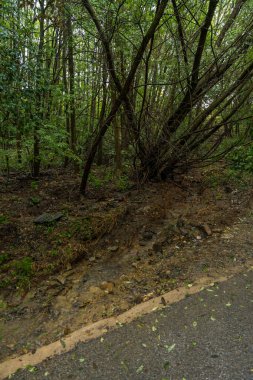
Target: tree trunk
<point>40,93</point>
<point>71,68</point>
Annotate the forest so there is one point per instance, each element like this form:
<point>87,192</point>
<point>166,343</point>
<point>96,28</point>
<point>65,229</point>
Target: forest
<point>126,155</point>
<point>156,86</point>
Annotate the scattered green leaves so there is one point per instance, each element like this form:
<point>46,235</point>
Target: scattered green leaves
<point>140,369</point>
<point>170,348</point>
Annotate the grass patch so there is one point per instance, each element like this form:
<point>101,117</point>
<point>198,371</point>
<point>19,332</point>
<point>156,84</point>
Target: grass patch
<point>4,257</point>
<point>3,219</point>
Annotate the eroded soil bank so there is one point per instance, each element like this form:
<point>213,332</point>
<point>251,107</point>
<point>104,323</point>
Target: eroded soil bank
<point>111,250</point>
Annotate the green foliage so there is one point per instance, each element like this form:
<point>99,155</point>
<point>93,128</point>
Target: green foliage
<point>95,181</point>
<point>18,272</point>
<point>23,267</point>
<point>4,257</point>
<point>83,228</point>
<point>54,253</point>
<point>35,200</point>
<point>34,185</point>
<point>5,283</point>
<point>3,219</point>
<point>3,305</point>
<point>39,96</point>
<point>242,159</point>
<point>123,183</point>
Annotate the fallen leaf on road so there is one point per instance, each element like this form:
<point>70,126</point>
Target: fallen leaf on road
<point>170,348</point>
<point>140,369</point>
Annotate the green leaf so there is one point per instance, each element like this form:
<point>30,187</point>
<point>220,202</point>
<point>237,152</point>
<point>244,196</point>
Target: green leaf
<point>140,369</point>
<point>170,348</point>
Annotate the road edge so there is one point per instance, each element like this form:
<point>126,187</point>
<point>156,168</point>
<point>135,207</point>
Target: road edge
<point>97,329</point>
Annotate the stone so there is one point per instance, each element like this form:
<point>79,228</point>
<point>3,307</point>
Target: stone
<point>147,235</point>
<point>217,230</point>
<point>48,218</point>
<point>107,286</point>
<point>144,210</point>
<point>207,229</point>
<point>113,249</point>
<point>184,231</point>
<point>95,290</point>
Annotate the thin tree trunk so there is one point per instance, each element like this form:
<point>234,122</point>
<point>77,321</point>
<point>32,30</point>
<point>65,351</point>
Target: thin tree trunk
<point>71,68</point>
<point>40,94</point>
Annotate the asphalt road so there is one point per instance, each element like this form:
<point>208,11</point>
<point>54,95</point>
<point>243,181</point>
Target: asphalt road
<point>207,336</point>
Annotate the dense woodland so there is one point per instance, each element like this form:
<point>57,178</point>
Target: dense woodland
<point>156,87</point>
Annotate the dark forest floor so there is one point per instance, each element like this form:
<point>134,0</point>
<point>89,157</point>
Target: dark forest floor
<point>112,249</point>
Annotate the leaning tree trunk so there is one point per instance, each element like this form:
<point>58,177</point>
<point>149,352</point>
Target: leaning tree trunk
<point>124,90</point>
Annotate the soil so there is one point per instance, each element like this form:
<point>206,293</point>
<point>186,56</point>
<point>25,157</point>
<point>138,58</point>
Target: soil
<point>112,249</point>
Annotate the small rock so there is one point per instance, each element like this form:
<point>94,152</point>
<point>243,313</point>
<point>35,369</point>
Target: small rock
<point>135,265</point>
<point>107,286</point>
<point>145,210</point>
<point>207,229</point>
<point>48,218</point>
<point>95,290</point>
<point>113,249</point>
<point>78,305</point>
<point>217,230</point>
<point>11,346</point>
<point>184,231</point>
<point>92,259</point>
<point>196,235</point>
<point>147,235</point>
